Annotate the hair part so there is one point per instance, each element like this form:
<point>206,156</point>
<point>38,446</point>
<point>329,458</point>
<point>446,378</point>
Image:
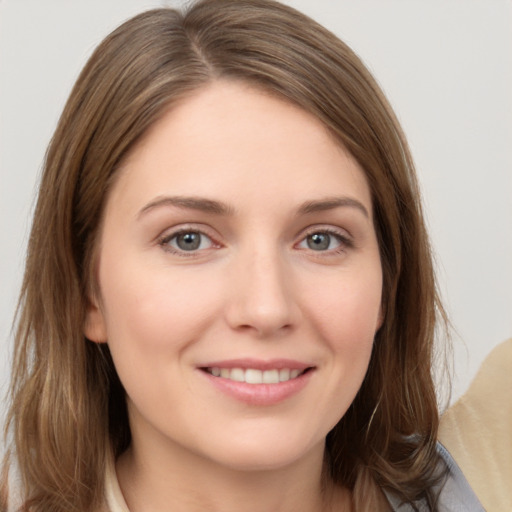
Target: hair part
<point>68,410</point>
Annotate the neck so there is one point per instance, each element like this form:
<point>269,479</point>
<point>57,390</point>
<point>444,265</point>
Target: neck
<point>186,482</point>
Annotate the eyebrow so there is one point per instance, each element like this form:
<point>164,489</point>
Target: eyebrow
<point>211,206</point>
<point>331,203</point>
<point>191,203</point>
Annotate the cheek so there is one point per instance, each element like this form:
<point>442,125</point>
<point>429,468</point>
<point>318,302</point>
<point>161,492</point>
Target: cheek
<point>348,311</point>
<point>152,320</point>
<point>152,312</point>
<point>345,315</point>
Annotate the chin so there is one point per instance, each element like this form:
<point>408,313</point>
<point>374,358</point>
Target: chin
<point>260,454</point>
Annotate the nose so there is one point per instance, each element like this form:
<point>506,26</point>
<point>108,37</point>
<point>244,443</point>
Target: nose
<point>262,301</point>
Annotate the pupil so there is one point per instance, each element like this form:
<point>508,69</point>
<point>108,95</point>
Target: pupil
<point>188,241</point>
<point>319,241</point>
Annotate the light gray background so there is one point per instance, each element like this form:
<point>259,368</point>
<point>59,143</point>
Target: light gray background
<point>446,66</point>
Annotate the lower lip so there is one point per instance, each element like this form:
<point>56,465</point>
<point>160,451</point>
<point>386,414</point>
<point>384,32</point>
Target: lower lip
<point>260,394</point>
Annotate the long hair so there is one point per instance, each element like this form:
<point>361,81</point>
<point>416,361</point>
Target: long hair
<point>68,413</point>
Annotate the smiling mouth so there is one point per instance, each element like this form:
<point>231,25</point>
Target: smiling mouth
<point>255,376</point>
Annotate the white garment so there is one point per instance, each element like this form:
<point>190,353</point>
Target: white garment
<point>113,495</point>
<point>477,430</point>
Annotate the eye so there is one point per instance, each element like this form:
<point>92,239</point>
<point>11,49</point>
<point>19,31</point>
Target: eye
<point>319,241</point>
<point>187,241</point>
<point>324,241</point>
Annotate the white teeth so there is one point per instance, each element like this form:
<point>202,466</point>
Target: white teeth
<point>270,376</point>
<point>284,374</point>
<point>254,376</point>
<point>237,374</point>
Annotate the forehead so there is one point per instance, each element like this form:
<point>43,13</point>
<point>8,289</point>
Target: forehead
<point>231,136</point>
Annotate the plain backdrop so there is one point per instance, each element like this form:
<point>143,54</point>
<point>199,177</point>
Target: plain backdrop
<point>446,66</point>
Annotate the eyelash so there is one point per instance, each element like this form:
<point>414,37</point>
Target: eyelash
<point>165,240</point>
<point>344,241</point>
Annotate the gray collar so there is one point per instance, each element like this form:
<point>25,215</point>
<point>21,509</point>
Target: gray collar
<point>455,494</point>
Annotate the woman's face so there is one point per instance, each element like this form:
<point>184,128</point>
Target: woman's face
<point>239,281</point>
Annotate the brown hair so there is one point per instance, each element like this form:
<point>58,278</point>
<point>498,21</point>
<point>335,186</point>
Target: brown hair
<point>68,410</point>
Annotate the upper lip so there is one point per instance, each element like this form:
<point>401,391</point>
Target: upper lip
<point>258,364</point>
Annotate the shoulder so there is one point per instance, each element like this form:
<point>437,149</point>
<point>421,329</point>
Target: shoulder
<point>454,492</point>
<point>488,396</point>
<point>490,387</point>
<point>477,430</point>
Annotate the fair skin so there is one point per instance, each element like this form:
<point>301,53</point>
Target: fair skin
<point>239,292</point>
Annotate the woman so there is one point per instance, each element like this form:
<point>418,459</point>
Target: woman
<point>229,292</point>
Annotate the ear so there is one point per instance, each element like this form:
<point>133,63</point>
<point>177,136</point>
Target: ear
<point>94,327</point>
